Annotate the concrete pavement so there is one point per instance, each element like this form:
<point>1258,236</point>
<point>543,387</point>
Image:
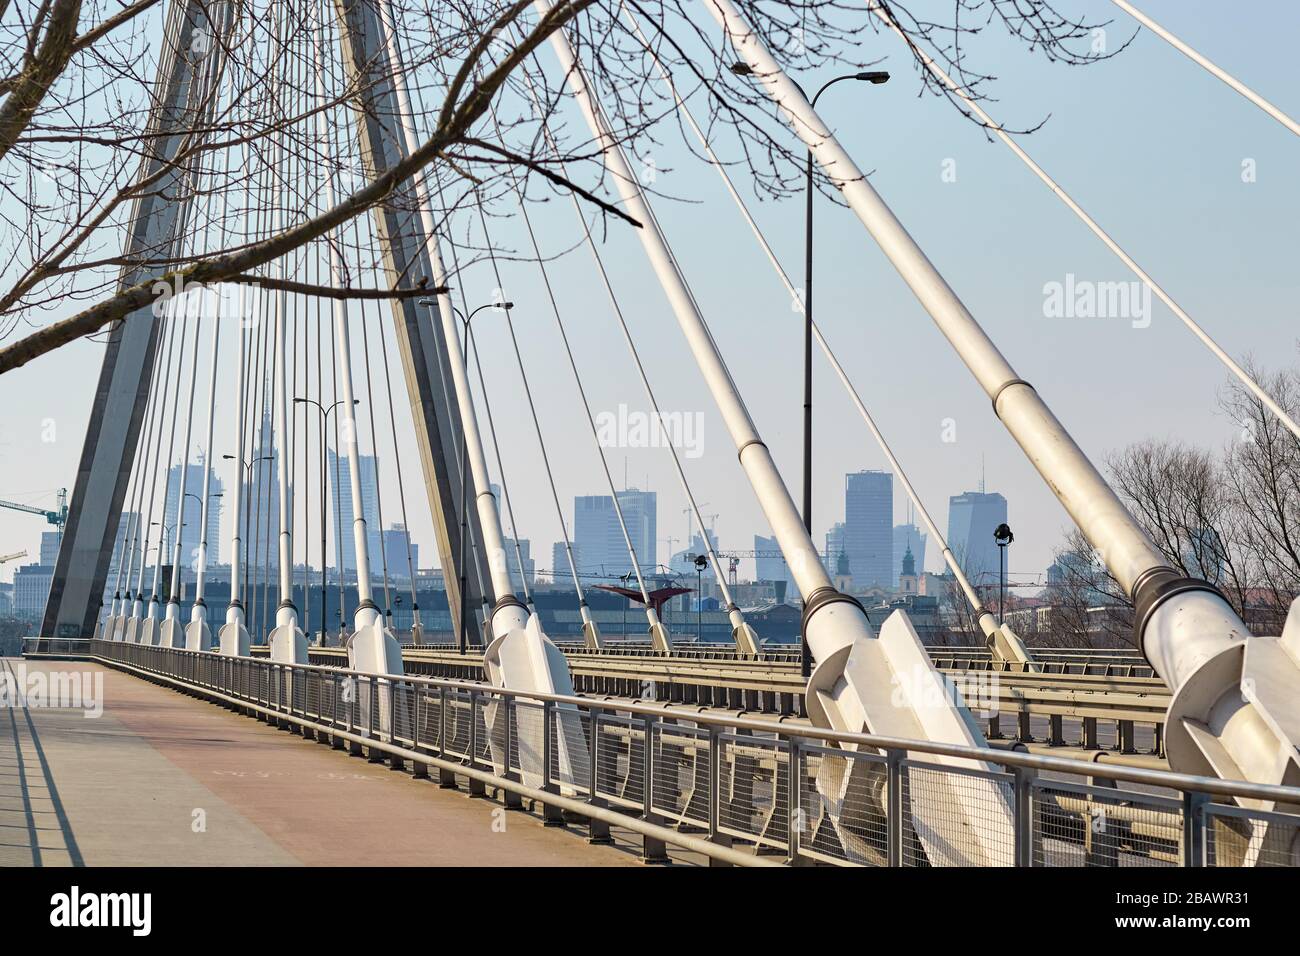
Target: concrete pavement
<point>164,779</point>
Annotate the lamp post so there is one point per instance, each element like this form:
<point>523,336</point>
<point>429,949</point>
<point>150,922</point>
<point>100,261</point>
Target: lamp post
<point>1003,536</point>
<point>701,562</point>
<point>464,477</point>
<point>324,430</point>
<point>874,77</point>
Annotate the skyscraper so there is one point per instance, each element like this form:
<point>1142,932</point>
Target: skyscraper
<point>401,564</point>
<point>191,532</point>
<point>598,539</point>
<point>972,517</point>
<point>262,498</point>
<point>772,566</point>
<point>868,526</point>
<point>345,514</point>
<point>908,536</point>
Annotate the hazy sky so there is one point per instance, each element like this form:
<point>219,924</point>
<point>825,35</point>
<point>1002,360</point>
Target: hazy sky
<point>1151,145</point>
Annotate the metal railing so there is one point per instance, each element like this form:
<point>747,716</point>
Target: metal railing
<point>752,791</point>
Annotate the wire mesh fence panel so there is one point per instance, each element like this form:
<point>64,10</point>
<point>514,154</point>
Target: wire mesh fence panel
<point>1103,826</point>
<point>457,723</point>
<point>1236,836</point>
<point>620,761</point>
<point>529,744</point>
<point>428,725</point>
<point>483,730</point>
<point>956,816</point>
<point>403,695</point>
<point>842,806</point>
<point>570,730</point>
<point>679,790</point>
<point>753,789</point>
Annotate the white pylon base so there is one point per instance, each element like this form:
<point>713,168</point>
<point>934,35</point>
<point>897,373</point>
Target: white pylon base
<point>525,659</point>
<point>171,633</point>
<point>885,684</point>
<point>746,639</point>
<point>148,632</point>
<point>591,638</point>
<point>373,649</point>
<point>288,644</point>
<point>660,639</point>
<point>198,636</point>
<point>233,639</point>
<point>1005,645</point>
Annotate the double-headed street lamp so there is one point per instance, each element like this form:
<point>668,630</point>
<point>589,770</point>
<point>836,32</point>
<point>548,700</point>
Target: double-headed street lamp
<point>464,477</point>
<point>875,77</point>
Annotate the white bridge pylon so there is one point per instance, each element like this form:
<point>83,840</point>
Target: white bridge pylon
<point>863,681</point>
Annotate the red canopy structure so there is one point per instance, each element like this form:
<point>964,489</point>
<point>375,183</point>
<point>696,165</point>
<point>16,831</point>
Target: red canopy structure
<point>658,597</point>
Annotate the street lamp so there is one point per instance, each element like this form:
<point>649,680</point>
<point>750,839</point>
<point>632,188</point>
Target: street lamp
<point>874,77</point>
<point>324,429</point>
<point>701,562</point>
<point>1003,536</point>
<point>464,487</point>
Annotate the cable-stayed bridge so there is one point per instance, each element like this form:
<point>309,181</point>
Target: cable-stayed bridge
<point>884,757</point>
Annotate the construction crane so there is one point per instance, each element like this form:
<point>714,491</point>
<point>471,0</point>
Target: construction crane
<point>11,557</point>
<point>57,518</point>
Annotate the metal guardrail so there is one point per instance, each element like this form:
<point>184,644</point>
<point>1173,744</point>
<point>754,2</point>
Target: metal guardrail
<point>742,790</point>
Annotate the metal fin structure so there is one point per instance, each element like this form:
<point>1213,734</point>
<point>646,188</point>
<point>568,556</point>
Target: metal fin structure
<point>590,632</point>
<point>171,633</point>
<point>288,644</point>
<point>232,638</point>
<point>885,684</point>
<point>525,659</point>
<point>198,636</point>
<point>373,649</point>
<point>1005,645</point>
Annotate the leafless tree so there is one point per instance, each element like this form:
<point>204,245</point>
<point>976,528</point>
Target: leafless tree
<point>82,146</point>
<point>1230,518</point>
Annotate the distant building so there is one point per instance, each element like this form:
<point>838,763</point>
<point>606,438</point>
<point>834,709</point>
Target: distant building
<point>262,496</point>
<point>598,536</point>
<point>340,476</point>
<point>770,566</point>
<point>512,563</point>
<point>907,579</point>
<point>561,572</point>
<point>31,589</point>
<point>908,537</point>
<point>868,527</point>
<point>972,518</point>
<point>191,532</point>
<point>400,564</point>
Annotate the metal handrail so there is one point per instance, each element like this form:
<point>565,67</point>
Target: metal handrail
<point>1007,758</point>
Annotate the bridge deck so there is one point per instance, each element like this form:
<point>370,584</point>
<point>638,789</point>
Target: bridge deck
<point>123,788</point>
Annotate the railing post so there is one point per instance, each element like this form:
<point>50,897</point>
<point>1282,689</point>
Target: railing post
<point>552,816</point>
<point>894,806</point>
<point>1024,816</point>
<point>476,787</point>
<point>446,779</point>
<point>597,830</point>
<point>795,821</point>
<point>1194,828</point>
<point>653,850</point>
<point>512,800</point>
<point>715,791</point>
